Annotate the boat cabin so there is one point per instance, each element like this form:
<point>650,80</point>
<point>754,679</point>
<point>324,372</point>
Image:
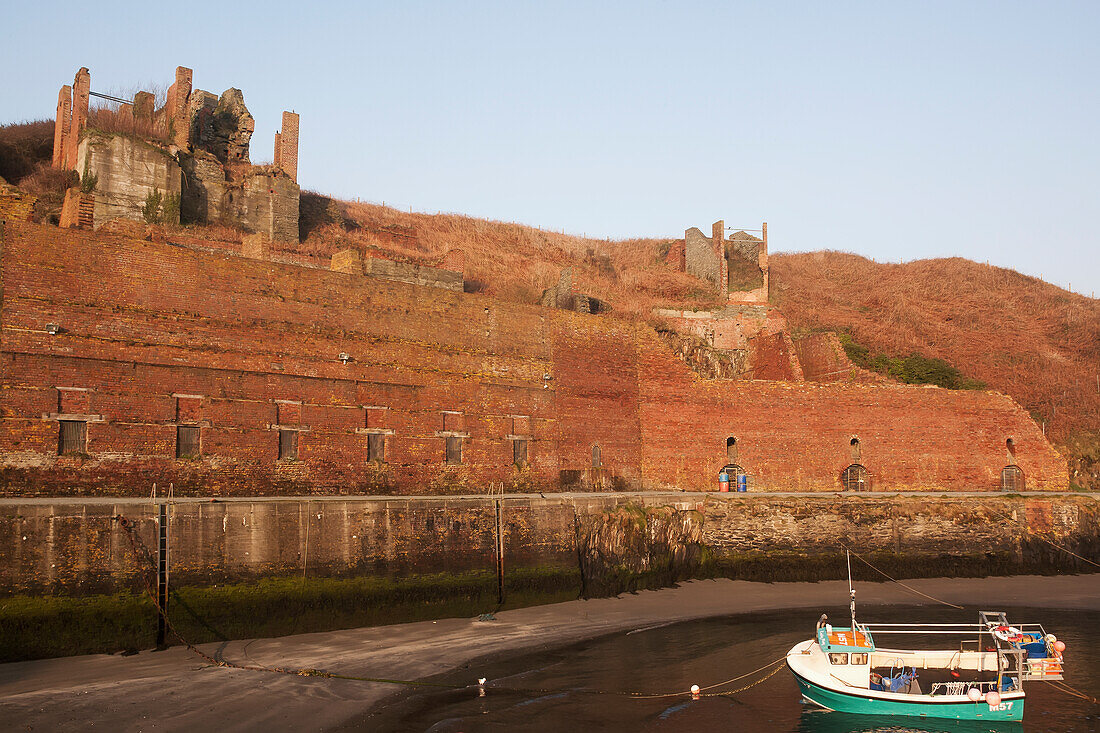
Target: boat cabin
<point>848,651</point>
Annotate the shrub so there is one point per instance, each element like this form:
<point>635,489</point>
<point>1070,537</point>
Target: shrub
<point>23,147</point>
<point>912,369</point>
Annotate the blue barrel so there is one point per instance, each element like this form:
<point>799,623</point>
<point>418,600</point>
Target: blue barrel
<point>723,481</point>
<point>742,482</point>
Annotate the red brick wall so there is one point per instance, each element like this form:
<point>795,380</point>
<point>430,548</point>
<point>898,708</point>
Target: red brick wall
<point>823,360</point>
<point>16,205</point>
<point>144,322</point>
<point>773,357</point>
<point>796,436</point>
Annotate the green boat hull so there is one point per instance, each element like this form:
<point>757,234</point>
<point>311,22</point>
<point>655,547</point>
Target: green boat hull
<point>848,703</point>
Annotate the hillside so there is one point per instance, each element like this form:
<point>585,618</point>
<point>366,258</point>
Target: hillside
<point>1018,334</point>
<point>508,260</point>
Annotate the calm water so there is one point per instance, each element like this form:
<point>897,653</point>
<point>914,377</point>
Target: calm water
<point>673,657</point>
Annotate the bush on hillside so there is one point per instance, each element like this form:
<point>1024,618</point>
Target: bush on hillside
<point>912,369</point>
<point>23,146</point>
<point>49,185</point>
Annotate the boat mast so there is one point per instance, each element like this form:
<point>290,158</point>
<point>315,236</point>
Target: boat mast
<point>851,590</point>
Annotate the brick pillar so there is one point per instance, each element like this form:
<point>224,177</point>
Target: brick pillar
<point>718,240</point>
<point>82,86</point>
<point>176,106</point>
<point>287,143</point>
<point>278,144</point>
<point>61,125</point>
<point>78,210</point>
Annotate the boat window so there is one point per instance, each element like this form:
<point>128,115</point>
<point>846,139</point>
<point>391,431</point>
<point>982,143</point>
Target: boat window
<point>859,659</point>
<point>838,657</point>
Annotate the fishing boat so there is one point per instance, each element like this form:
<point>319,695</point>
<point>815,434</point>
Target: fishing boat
<point>978,673</point>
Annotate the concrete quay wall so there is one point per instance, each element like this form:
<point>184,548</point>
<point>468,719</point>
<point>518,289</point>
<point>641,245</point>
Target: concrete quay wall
<point>80,546</point>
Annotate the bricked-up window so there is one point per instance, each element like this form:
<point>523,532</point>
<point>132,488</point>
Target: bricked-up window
<point>731,449</point>
<point>856,452</point>
<point>453,422</point>
<point>454,450</point>
<point>72,437</point>
<point>376,447</point>
<point>855,478</point>
<point>519,452</point>
<point>1012,478</point>
<point>597,459</point>
<point>288,445</point>
<point>187,441</point>
<point>375,417</point>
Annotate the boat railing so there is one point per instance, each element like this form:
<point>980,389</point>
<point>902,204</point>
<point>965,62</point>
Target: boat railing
<point>961,688</point>
<point>992,634</point>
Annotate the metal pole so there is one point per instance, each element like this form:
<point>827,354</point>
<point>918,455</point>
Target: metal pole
<point>162,575</point>
<point>500,552</point>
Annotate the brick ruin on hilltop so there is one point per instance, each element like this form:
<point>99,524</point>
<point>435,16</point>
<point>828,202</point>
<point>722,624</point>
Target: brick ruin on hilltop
<point>737,266</point>
<point>745,337</point>
<point>187,162</point>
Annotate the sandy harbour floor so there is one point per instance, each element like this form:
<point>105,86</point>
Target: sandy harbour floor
<point>176,690</point>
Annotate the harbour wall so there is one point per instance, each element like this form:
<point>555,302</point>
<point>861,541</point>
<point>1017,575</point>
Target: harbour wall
<point>607,542</point>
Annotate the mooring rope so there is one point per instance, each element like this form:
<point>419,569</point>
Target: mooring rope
<point>642,695</point>
<point>903,585</point>
<point>1049,542</point>
<point>1062,686</point>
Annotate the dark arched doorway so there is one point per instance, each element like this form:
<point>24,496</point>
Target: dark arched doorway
<point>1012,478</point>
<point>855,478</point>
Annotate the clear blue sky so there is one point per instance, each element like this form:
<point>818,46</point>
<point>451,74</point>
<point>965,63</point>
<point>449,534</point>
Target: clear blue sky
<point>897,131</point>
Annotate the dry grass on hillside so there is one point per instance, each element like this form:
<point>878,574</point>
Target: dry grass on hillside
<point>511,261</point>
<point>1027,338</point>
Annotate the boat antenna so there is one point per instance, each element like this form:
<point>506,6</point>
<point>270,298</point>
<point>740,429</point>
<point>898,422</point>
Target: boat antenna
<point>851,590</point>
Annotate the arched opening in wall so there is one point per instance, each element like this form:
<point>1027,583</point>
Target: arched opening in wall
<point>597,460</point>
<point>739,477</point>
<point>1010,451</point>
<point>731,449</point>
<point>856,450</point>
<point>855,478</point>
<point>1012,478</point>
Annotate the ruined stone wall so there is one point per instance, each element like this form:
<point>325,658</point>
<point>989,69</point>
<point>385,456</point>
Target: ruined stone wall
<point>261,201</point>
<point>730,328</point>
<point>128,171</point>
<point>143,323</point>
<point>268,204</point>
<point>700,257</point>
<point>78,547</point>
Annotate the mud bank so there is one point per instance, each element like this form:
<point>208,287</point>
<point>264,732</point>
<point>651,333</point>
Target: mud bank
<point>176,690</point>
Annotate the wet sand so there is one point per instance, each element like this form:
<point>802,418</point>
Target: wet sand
<point>177,690</point>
